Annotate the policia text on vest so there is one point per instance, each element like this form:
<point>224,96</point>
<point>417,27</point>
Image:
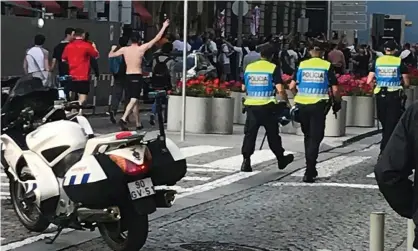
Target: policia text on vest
<point>388,71</point>
<point>315,77</point>
<point>262,79</point>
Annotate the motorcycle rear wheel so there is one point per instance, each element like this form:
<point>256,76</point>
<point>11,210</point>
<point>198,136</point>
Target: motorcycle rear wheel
<point>135,224</point>
<point>38,224</point>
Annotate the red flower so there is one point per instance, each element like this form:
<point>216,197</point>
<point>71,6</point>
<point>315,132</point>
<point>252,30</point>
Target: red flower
<point>208,90</point>
<point>201,77</point>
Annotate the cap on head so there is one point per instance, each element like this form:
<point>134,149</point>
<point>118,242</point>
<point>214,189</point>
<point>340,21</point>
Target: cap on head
<point>390,46</point>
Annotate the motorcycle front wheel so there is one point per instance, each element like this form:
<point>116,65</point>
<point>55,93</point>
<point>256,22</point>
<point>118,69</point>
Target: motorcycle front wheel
<point>27,212</point>
<point>136,226</point>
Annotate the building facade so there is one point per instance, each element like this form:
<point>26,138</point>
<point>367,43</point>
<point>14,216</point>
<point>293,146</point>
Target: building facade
<point>395,9</point>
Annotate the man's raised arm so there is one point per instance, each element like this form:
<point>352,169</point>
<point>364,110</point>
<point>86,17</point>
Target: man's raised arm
<point>158,37</point>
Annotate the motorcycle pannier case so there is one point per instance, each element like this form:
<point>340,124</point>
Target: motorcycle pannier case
<point>168,167</point>
<point>96,182</point>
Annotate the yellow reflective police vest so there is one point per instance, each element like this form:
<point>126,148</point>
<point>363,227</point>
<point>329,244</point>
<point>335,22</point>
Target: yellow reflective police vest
<point>312,78</point>
<point>258,78</point>
<point>388,73</point>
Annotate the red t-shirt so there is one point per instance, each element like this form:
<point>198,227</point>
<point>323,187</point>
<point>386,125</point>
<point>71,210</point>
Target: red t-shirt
<point>78,54</point>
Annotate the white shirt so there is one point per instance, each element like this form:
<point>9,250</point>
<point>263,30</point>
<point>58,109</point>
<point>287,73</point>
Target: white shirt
<point>212,48</point>
<point>405,54</point>
<point>293,58</point>
<point>35,57</point>
<point>178,45</point>
<point>224,55</point>
<point>240,54</point>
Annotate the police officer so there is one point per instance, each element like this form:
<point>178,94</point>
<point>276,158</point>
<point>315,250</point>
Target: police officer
<point>396,164</point>
<point>388,70</point>
<point>314,78</point>
<point>262,80</point>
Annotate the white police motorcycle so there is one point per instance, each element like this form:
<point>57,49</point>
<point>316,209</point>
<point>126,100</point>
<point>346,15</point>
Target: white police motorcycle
<point>61,174</point>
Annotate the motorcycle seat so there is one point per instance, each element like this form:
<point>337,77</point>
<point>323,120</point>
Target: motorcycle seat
<point>96,142</point>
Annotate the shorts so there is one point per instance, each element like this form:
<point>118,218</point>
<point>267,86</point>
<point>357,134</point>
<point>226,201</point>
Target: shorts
<point>80,87</point>
<point>134,85</point>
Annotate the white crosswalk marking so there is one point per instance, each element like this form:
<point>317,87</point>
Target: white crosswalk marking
<point>330,167</point>
<point>371,175</point>
<point>234,162</point>
<point>4,192</point>
<point>226,169</point>
<point>201,149</point>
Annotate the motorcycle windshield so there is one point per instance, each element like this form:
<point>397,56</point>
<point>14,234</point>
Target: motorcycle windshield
<point>30,83</point>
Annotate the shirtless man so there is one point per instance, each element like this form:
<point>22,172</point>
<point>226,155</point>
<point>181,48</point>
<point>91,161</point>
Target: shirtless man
<point>133,57</point>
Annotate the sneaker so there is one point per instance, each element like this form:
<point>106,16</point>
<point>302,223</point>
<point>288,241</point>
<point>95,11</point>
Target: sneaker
<point>112,117</point>
<point>123,125</point>
<point>284,161</point>
<point>140,127</point>
<point>246,165</point>
<point>152,120</point>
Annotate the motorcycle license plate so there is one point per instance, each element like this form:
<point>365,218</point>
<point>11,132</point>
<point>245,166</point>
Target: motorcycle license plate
<point>141,188</point>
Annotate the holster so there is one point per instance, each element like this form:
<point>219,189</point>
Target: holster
<point>244,108</point>
<point>328,107</point>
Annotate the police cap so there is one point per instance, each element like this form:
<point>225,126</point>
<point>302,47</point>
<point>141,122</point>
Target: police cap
<point>390,45</point>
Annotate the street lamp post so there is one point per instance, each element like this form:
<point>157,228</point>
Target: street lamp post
<point>183,92</point>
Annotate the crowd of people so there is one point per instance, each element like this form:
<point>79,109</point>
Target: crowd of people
<point>230,57</point>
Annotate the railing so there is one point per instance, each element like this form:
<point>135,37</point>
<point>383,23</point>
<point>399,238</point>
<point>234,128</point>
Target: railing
<point>100,95</point>
<point>377,232</point>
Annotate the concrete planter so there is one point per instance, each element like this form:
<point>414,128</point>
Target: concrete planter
<point>222,121</point>
<point>198,115</point>
<point>335,127</point>
<point>239,117</point>
<point>350,112</point>
<point>415,88</point>
<point>364,111</point>
<point>410,97</point>
<point>174,113</point>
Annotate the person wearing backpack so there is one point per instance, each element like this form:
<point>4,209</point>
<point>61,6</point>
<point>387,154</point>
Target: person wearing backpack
<point>118,69</point>
<point>162,76</point>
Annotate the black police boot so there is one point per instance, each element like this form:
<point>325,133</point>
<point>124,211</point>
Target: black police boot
<point>284,161</point>
<point>246,165</point>
<point>310,175</point>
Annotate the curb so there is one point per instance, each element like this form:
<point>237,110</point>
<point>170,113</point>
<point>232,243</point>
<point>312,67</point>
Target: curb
<point>360,137</point>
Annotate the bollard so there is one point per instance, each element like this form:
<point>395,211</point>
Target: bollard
<point>411,235</point>
<point>377,231</point>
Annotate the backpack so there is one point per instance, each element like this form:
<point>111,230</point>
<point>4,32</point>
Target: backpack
<point>161,73</point>
<point>114,64</point>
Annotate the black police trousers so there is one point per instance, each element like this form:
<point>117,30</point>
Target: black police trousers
<point>389,110</point>
<point>312,120</point>
<point>266,116</point>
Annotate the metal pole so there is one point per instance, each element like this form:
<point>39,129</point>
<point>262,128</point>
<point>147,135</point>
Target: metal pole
<point>329,20</point>
<point>92,10</point>
<point>183,92</point>
<point>240,15</point>
<point>411,235</point>
<point>377,231</point>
